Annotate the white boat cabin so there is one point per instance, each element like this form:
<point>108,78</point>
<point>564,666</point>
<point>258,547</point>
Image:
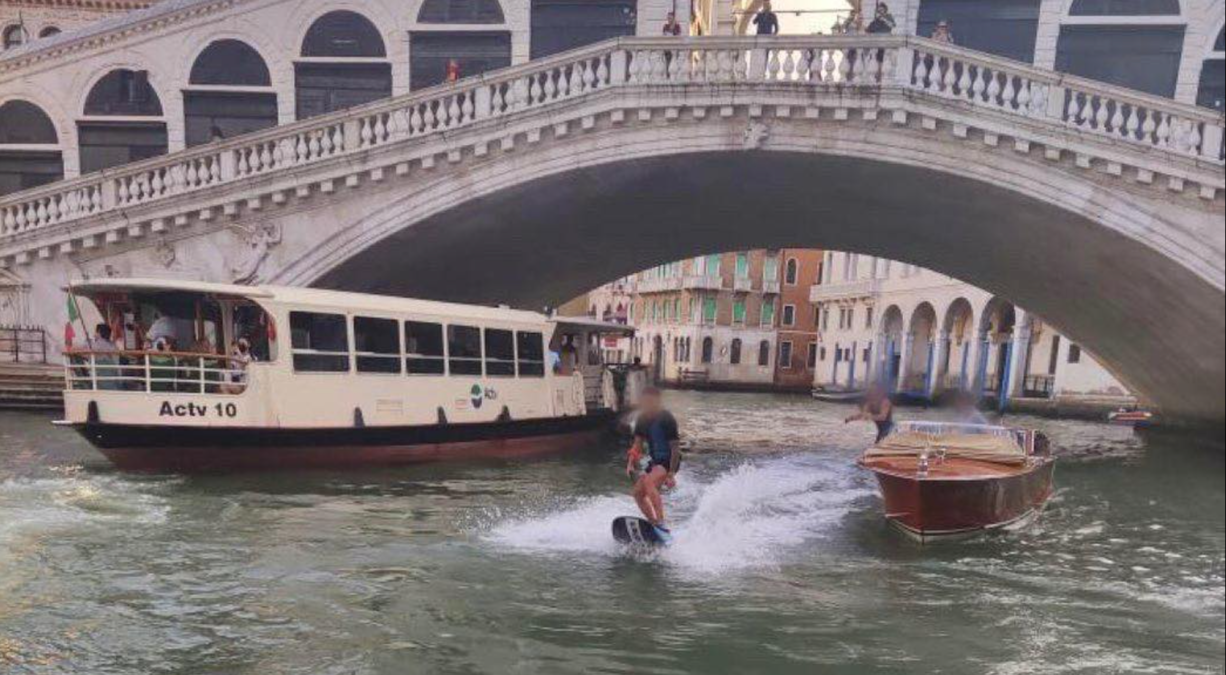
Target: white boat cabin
<point>200,354</point>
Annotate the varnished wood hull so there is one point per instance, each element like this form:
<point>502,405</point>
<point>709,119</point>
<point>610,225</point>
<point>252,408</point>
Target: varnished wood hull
<point>950,507</point>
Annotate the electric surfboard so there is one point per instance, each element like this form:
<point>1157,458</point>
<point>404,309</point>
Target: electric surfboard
<point>639,532</point>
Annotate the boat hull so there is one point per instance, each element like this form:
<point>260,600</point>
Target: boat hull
<point>931,509</point>
<point>208,449</point>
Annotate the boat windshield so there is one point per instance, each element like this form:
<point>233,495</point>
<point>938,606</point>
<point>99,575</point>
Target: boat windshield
<point>970,441</point>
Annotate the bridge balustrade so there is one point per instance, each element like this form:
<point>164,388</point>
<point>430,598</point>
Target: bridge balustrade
<point>853,63</point>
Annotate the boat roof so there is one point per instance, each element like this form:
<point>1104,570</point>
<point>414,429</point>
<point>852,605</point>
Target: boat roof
<point>312,296</point>
<point>595,325</point>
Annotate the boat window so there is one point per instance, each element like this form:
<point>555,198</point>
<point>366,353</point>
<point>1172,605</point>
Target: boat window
<point>423,348</point>
<point>320,342</point>
<point>530,350</point>
<point>376,342</point>
<point>464,350</point>
<point>499,353</point>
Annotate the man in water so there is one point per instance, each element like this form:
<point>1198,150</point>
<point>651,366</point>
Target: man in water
<point>876,408</point>
<point>656,451</point>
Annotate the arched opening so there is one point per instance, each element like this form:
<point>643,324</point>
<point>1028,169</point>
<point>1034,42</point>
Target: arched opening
<point>889,367</point>
<point>708,349</point>
<point>229,93</point>
<point>791,274</point>
<point>1212,90</point>
<point>995,346</point>
<point>559,25</point>
<point>29,147</point>
<point>454,41</point>
<point>123,121</point>
<point>734,353</point>
<point>1132,43</point>
<point>13,36</point>
<point>957,344</point>
<point>764,353</point>
<point>1006,28</point>
<point>343,64</point>
<point>921,350</point>
<point>934,216</point>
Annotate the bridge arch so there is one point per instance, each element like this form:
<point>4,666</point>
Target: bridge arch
<point>597,210</point>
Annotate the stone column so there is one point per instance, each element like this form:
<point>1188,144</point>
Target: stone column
<point>938,372</point>
<point>1018,356</point>
<point>979,358</point>
<point>904,361</point>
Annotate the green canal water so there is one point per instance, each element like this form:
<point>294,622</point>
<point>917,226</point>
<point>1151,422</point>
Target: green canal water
<point>781,564</point>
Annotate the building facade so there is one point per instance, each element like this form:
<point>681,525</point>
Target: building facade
<point>923,333</point>
<point>795,368</point>
<point>709,321</point>
<point>24,21</point>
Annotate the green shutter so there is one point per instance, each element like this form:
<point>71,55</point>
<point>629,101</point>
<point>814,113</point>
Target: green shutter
<point>768,314</point>
<point>708,310</point>
<point>742,265</point>
<point>738,311</point>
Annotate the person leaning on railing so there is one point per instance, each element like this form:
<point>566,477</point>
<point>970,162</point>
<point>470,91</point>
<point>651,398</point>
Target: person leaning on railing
<point>106,358</point>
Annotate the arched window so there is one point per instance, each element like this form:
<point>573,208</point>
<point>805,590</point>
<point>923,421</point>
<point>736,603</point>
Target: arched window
<point>106,142</point>
<point>735,353</point>
<point>23,165</point>
<point>436,57</point>
<point>791,272</point>
<point>460,11</point>
<point>559,25</point>
<point>13,36</point>
<point>1212,88</point>
<point>1006,28</point>
<point>708,349</point>
<point>1131,43</point>
<point>49,31</point>
<point>341,66</point>
<point>224,96</point>
<point>764,353</point>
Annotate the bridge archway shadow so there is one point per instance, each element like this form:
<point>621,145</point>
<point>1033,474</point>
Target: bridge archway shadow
<point>1155,323</point>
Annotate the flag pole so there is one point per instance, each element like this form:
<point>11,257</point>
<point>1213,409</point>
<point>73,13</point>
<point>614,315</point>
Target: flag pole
<point>76,307</point>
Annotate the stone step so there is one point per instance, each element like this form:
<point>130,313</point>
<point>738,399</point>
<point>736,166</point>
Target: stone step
<point>31,405</point>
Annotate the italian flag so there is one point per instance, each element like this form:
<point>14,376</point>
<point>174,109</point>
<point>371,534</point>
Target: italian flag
<point>73,315</point>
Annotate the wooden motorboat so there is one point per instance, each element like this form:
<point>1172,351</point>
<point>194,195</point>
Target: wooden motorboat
<point>837,395</point>
<point>944,481</point>
<point>1127,417</point>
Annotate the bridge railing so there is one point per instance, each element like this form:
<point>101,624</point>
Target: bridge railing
<point>898,63</point>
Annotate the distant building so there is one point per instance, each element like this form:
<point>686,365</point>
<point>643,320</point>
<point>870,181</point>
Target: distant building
<point>797,325</point>
<point>709,321</point>
<point>23,21</point>
<point>923,333</point>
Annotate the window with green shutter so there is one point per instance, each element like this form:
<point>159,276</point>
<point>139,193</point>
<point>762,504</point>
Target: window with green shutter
<point>708,310</point>
<point>768,314</point>
<point>738,312</point>
<point>742,265</point>
<point>712,265</point>
<point>770,269</point>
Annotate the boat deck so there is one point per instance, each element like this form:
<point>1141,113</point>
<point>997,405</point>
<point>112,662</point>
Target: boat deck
<point>950,468</point>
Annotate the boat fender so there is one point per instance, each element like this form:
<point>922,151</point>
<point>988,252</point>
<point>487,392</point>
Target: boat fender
<point>92,415</point>
<point>505,415</point>
<point>442,415</point>
<point>358,420</point>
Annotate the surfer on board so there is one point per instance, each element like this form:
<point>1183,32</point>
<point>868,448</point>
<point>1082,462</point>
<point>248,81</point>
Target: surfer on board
<point>655,455</point>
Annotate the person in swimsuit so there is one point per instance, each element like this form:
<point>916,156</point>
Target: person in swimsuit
<point>654,457</point>
<point>877,408</point>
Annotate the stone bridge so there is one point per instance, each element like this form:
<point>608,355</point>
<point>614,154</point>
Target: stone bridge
<point>1099,208</point>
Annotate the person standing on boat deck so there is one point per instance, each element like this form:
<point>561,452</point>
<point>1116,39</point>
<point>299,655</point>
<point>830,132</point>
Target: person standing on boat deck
<point>655,455</point>
<point>766,21</point>
<point>877,408</point>
<point>105,358</point>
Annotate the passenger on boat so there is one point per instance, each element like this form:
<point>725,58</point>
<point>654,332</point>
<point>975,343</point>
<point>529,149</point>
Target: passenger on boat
<point>655,456</point>
<point>240,356</point>
<point>877,408</point>
<point>105,358</point>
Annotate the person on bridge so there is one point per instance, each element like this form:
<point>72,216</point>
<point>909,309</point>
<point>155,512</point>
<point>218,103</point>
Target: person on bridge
<point>766,21</point>
<point>876,408</point>
<point>671,27</point>
<point>655,455</point>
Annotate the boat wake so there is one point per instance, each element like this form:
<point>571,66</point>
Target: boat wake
<point>747,516</point>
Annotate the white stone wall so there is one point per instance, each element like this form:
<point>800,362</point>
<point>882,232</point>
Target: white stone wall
<point>906,288</point>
